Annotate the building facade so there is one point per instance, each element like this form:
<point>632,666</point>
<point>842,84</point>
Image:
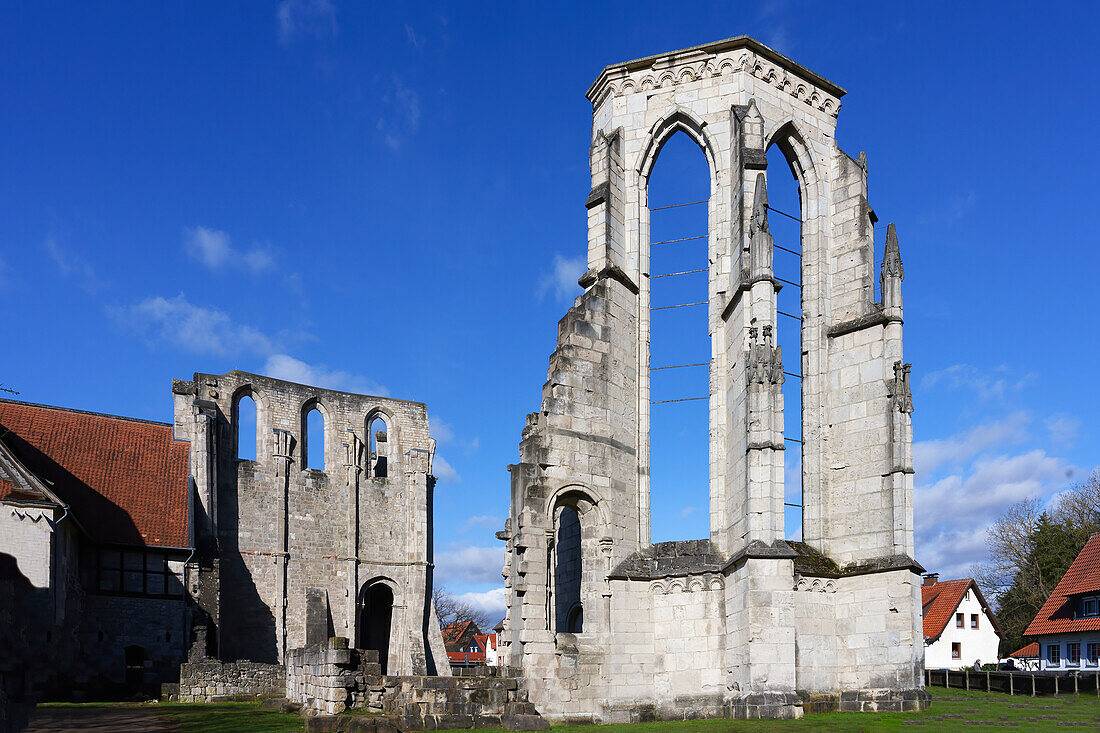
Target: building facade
<point>1067,627</point>
<point>288,555</point>
<point>94,535</point>
<point>959,627</point>
<point>607,626</point>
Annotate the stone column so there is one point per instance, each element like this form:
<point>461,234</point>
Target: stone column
<point>282,451</point>
<point>353,469</point>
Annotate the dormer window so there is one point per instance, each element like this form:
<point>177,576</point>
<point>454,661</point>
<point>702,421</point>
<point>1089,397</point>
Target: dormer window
<point>1090,606</point>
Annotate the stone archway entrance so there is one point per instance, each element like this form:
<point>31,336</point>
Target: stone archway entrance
<point>375,616</point>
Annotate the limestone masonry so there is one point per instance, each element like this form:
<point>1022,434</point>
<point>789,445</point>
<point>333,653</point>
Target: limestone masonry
<point>606,626</point>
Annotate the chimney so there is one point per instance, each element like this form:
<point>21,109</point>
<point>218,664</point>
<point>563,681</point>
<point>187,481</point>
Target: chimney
<point>931,578</point>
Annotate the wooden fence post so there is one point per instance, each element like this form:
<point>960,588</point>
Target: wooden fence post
<point>966,679</point>
<point>1011,689</point>
<point>987,687</point>
<point>1055,684</point>
<point>1033,685</point>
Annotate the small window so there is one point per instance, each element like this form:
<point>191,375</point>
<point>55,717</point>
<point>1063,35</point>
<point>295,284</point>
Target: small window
<point>1073,652</point>
<point>1094,652</point>
<point>960,621</point>
<point>956,650</point>
<point>973,620</point>
<point>1090,607</point>
<point>966,596</point>
<point>314,447</point>
<point>1054,654</point>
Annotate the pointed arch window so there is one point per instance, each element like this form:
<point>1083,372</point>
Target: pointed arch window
<point>314,446</point>
<point>244,427</point>
<point>378,442</point>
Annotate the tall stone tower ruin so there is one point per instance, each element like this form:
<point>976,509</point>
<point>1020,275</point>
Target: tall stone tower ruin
<point>607,626</point>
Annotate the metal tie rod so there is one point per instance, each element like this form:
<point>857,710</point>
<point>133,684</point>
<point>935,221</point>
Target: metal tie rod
<point>788,315</point>
<point>783,213</point>
<point>672,274</point>
<point>682,399</point>
<point>789,504</point>
<point>681,305</point>
<point>673,206</point>
<point>792,374</point>
<point>685,239</point>
<point>788,282</point>
<point>793,440</point>
<point>679,366</point>
<point>793,252</point>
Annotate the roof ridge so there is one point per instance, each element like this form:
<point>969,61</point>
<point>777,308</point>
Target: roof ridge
<point>86,412</point>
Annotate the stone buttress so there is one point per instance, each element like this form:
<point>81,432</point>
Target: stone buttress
<point>606,626</point>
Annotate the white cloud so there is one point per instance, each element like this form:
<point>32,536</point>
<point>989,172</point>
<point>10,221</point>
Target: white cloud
<point>444,433</point>
<point>299,18</point>
<point>687,512</point>
<point>72,266</point>
<point>1063,428</point>
<point>401,114</point>
<point>484,521</point>
<point>952,210</point>
<point>561,281</point>
<point>213,248</point>
<point>930,455</point>
<point>414,39</point>
<point>469,563</point>
<point>444,471</point>
<point>986,384</point>
<point>493,602</point>
<point>190,327</point>
<point>282,366</point>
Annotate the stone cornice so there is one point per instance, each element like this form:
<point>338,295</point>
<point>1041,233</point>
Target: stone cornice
<point>740,53</point>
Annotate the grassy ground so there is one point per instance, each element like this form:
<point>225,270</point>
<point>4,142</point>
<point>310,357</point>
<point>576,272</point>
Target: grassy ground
<point>952,710</point>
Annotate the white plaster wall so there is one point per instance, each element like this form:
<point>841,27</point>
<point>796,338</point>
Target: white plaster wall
<point>980,643</point>
<point>1084,639</point>
<point>25,534</point>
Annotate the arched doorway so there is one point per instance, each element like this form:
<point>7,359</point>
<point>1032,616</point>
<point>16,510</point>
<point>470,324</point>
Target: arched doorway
<point>375,615</point>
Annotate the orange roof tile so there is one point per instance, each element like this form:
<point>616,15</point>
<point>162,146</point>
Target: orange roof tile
<point>940,600</point>
<point>125,480</point>
<point>1083,576</point>
<point>1031,650</point>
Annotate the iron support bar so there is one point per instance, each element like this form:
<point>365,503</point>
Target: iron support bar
<point>783,213</point>
<point>679,366</point>
<point>792,374</point>
<point>673,206</point>
<point>793,440</point>
<point>685,239</point>
<point>788,315</point>
<point>681,305</point>
<point>788,282</point>
<point>672,274</point>
<point>682,399</point>
<point>779,246</point>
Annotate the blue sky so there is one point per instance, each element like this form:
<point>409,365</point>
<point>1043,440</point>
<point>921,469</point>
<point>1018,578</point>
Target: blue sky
<point>389,198</point>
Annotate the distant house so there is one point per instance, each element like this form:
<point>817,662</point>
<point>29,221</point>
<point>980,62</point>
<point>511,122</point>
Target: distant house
<point>1067,627</point>
<point>959,626</point>
<point>488,643</point>
<point>1026,658</point>
<point>463,648</point>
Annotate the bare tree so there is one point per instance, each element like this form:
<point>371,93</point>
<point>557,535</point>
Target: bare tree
<point>453,611</point>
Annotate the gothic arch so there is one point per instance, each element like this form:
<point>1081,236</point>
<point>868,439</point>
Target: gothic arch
<point>678,120</point>
<point>311,404</point>
<point>247,390</point>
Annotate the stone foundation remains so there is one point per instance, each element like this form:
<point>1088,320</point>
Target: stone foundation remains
<point>213,681</point>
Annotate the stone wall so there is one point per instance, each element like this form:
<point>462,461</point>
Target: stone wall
<point>330,677</point>
<point>214,681</point>
<point>269,529</point>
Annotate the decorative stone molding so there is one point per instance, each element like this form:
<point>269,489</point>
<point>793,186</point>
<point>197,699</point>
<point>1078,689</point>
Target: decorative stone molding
<point>901,395</point>
<point>687,584</point>
<point>740,55</point>
<point>765,361</point>
<point>817,585</point>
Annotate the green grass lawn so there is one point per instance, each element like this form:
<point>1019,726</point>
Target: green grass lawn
<point>951,710</point>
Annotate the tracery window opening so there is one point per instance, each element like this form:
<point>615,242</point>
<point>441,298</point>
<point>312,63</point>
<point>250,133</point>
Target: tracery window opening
<point>679,339</point>
<point>785,226</point>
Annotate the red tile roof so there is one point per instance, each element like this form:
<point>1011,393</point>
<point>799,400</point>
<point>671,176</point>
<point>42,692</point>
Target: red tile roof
<point>940,600</point>
<point>1083,576</point>
<point>470,657</point>
<point>453,633</point>
<point>125,480</point>
<point>1031,650</point>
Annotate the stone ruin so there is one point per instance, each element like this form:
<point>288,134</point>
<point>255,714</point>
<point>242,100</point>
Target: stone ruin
<point>606,626</point>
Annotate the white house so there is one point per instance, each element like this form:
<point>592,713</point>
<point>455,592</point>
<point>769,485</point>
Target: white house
<point>1067,627</point>
<point>959,627</point>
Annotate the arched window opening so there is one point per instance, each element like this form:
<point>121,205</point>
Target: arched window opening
<point>567,572</point>
<point>245,425</point>
<point>785,224</point>
<point>679,342</point>
<point>314,448</point>
<point>375,614</point>
<point>378,437</point>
